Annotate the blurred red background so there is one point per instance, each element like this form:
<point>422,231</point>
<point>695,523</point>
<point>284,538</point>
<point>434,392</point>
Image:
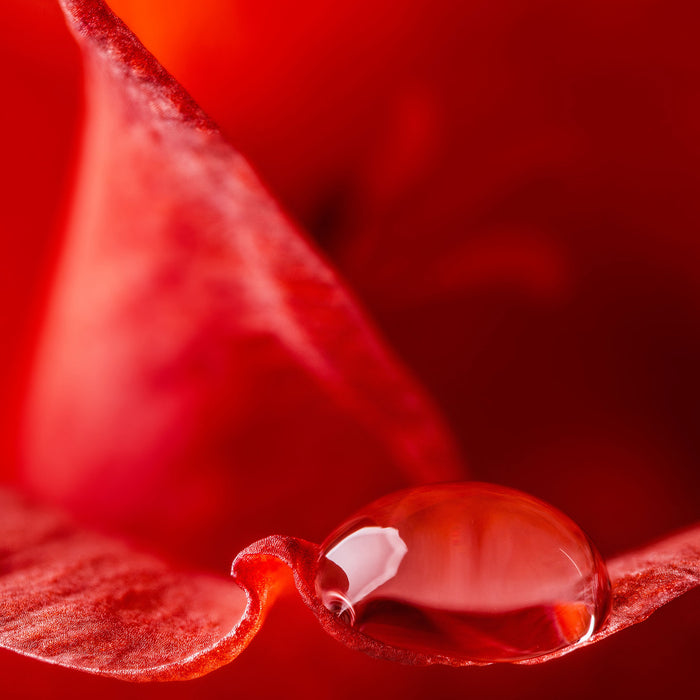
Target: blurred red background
<point>511,190</point>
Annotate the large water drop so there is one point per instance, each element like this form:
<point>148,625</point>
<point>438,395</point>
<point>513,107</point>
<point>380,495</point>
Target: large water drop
<point>472,571</point>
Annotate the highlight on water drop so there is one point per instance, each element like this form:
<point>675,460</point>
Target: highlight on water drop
<point>472,571</point>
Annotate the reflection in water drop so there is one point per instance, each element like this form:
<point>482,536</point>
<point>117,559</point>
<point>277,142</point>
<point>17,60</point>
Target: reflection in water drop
<point>472,570</point>
<point>373,553</point>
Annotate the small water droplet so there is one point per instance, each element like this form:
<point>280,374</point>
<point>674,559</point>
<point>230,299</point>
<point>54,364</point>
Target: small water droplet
<point>471,571</point>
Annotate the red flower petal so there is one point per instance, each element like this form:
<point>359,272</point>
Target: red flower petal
<point>642,581</point>
<point>201,373</point>
<point>47,475</point>
<point>96,604</point>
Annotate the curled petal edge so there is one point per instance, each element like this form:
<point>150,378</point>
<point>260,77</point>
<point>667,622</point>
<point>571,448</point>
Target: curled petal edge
<point>93,603</point>
<point>642,582</point>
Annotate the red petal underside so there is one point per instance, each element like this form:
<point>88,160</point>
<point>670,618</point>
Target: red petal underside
<point>202,374</point>
<point>93,603</point>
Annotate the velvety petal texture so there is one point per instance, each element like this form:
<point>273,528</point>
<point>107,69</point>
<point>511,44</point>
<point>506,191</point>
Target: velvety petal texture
<point>96,604</point>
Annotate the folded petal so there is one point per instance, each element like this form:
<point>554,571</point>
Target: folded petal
<point>202,375</point>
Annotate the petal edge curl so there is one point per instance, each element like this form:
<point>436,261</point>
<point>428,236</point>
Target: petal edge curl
<point>642,582</point>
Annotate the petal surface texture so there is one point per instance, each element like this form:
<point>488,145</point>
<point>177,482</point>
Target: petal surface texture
<point>93,603</point>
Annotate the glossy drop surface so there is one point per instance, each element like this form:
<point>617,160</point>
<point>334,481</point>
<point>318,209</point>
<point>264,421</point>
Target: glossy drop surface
<point>472,571</point>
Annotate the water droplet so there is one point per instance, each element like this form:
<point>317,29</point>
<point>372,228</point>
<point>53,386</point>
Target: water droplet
<point>471,571</point>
